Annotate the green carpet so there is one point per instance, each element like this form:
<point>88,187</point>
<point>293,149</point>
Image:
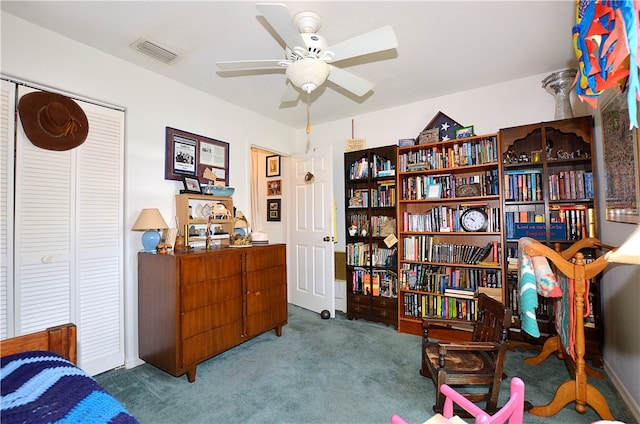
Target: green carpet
<point>323,371</point>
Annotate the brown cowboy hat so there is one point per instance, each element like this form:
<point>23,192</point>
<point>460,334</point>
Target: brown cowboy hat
<point>52,121</point>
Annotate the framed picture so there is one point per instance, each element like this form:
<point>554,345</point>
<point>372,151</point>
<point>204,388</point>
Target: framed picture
<point>429,136</point>
<point>274,188</point>
<point>621,154</point>
<point>273,166</point>
<point>464,132</point>
<point>434,191</point>
<point>194,155</point>
<point>191,184</point>
<point>273,209</point>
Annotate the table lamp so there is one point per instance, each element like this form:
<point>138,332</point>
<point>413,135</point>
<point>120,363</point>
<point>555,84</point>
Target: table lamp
<point>150,221</point>
<point>629,252</point>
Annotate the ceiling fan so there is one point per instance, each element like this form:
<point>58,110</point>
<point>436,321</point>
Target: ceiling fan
<point>308,57</point>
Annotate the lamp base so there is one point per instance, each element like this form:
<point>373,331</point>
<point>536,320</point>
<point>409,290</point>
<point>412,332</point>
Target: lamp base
<point>150,240</point>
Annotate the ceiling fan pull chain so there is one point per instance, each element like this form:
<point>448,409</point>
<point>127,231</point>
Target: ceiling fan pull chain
<point>308,122</point>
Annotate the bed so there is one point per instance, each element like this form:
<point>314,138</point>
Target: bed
<point>40,382</point>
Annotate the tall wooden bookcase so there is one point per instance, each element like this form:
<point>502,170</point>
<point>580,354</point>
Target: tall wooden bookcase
<point>370,220</point>
<point>450,230</point>
<point>549,194</point>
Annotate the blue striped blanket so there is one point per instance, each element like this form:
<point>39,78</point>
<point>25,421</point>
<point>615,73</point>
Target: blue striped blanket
<point>43,387</point>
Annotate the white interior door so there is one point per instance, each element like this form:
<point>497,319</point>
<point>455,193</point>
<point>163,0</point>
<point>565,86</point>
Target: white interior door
<point>310,258</point>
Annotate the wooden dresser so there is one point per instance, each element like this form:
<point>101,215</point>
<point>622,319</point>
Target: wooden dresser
<point>195,305</point>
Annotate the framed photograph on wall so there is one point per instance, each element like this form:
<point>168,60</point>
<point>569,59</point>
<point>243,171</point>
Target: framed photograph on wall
<point>621,154</point>
<point>273,209</point>
<point>274,187</point>
<point>190,154</point>
<point>273,166</point>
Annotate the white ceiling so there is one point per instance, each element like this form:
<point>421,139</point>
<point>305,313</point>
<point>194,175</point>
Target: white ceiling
<point>443,46</point>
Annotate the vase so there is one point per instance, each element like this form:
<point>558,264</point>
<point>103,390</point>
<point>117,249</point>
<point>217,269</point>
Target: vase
<point>559,84</point>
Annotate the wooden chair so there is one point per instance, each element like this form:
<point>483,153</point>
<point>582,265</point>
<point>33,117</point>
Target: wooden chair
<point>478,362</point>
<point>512,411</point>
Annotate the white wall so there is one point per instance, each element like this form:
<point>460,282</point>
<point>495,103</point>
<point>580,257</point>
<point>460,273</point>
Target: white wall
<point>153,102</point>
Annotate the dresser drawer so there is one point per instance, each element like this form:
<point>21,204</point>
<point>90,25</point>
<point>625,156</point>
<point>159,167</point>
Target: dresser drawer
<point>213,316</point>
<point>198,295</point>
<point>205,345</point>
<point>202,268</point>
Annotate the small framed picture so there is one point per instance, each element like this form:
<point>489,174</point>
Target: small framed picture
<point>429,136</point>
<point>274,188</point>
<point>273,209</point>
<point>191,184</point>
<point>273,166</point>
<point>434,191</point>
<point>464,132</point>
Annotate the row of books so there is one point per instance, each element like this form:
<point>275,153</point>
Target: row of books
<point>384,195</point>
<point>577,221</point>
<point>382,167</point>
<point>359,170</point>
<point>380,283</point>
<point>419,187</point>
<point>427,249</point>
<point>435,279</point>
<point>571,185</point>
<point>523,185</point>
<point>446,219</point>
<point>363,254</point>
<point>419,305</point>
<point>380,222</point>
<point>452,156</point>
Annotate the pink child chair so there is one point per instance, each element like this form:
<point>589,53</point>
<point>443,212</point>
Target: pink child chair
<point>512,411</point>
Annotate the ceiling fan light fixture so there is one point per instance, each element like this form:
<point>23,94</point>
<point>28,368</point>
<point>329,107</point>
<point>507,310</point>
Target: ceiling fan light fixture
<point>308,74</point>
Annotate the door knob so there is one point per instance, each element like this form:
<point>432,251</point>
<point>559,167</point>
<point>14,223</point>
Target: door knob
<point>327,238</point>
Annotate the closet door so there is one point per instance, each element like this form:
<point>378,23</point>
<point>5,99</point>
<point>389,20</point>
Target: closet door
<point>7,125</point>
<point>69,238</point>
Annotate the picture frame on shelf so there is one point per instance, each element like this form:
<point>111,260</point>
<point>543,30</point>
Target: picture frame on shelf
<point>621,150</point>
<point>431,135</point>
<point>191,184</point>
<point>274,188</point>
<point>464,132</point>
<point>434,191</point>
<point>273,166</point>
<point>273,209</point>
<point>191,154</point>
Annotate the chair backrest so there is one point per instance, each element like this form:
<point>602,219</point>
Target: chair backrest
<point>512,411</point>
<point>494,320</point>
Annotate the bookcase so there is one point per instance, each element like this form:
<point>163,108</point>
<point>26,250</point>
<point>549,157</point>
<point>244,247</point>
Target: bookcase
<point>370,220</point>
<point>549,194</point>
<point>449,231</point>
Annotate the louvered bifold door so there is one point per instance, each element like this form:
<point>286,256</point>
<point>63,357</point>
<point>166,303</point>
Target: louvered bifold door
<point>7,109</point>
<point>69,238</point>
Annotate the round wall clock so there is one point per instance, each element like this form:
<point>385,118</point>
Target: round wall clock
<point>474,219</point>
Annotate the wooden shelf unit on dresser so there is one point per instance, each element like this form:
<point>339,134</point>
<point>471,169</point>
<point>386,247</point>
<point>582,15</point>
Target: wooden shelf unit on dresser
<point>370,217</point>
<point>449,226</point>
<point>193,212</point>
<point>195,305</point>
<point>550,195</point>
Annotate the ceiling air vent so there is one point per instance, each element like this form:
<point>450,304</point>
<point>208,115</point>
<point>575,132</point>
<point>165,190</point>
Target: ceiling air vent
<point>155,50</point>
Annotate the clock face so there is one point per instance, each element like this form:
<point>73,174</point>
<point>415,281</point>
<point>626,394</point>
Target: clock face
<point>474,220</point>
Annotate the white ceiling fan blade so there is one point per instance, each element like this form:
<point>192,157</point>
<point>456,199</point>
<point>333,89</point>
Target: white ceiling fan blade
<point>249,64</point>
<point>349,81</point>
<point>290,94</point>
<point>371,42</point>
<point>280,19</point>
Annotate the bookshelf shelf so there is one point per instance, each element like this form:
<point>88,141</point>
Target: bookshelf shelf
<point>370,217</point>
<point>564,211</point>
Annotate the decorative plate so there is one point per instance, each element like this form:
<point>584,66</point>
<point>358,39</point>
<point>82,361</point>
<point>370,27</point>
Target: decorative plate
<point>206,211</point>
